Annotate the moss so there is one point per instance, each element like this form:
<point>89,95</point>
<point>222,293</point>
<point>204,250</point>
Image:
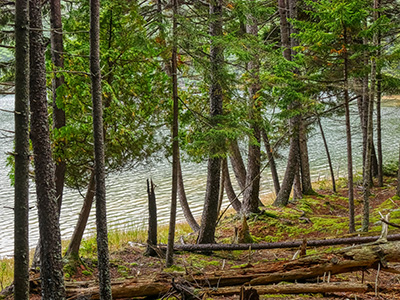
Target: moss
<point>174,269</point>
<point>87,273</point>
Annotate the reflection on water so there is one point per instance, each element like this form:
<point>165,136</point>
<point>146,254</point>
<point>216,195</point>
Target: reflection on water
<point>126,192</point>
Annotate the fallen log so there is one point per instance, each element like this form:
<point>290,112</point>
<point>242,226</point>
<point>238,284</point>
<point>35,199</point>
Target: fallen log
<point>280,245</point>
<point>334,287</point>
<point>341,261</point>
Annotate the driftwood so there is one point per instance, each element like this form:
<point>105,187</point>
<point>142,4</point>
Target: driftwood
<point>279,245</point>
<point>345,260</point>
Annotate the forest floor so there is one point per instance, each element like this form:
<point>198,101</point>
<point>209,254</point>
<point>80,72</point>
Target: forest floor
<point>320,216</point>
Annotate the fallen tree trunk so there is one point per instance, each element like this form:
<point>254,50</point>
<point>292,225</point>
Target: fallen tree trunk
<point>334,287</point>
<point>279,245</point>
<point>345,260</point>
<point>341,261</point>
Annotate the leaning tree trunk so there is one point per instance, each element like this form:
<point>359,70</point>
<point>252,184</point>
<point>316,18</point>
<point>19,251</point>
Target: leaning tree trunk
<point>50,237</point>
<point>328,155</point>
<point>76,239</point>
<point>271,160</point>
<point>99,166</point>
<point>252,191</point>
<point>21,156</point>
<point>57,50</point>
<point>237,164</point>
<point>183,201</point>
<point>210,211</point>
<point>175,145</point>
<point>230,192</point>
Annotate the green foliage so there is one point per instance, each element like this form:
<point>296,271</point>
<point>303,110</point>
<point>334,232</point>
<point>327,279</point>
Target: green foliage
<point>390,168</point>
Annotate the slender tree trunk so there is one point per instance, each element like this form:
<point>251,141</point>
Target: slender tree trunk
<point>21,185</point>
<point>152,231</point>
<point>282,198</point>
<point>76,239</point>
<point>328,155</point>
<point>348,139</point>
<point>237,164</point>
<point>252,191</point>
<point>285,10</point>
<point>175,146</point>
<point>271,160</point>
<point>221,186</point>
<point>230,192</point>
<point>99,166</point>
<point>209,217</point>
<point>50,237</point>
<point>306,183</point>
<point>57,49</point>
<point>184,203</point>
<point>378,105</point>
<point>398,178</point>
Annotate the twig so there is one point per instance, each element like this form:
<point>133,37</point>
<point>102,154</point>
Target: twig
<point>377,279</point>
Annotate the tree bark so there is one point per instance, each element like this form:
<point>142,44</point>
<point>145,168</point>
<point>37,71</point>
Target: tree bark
<point>271,160</point>
<point>328,155</point>
<point>348,138</point>
<point>76,239</point>
<point>99,166</point>
<point>184,203</point>
<point>306,183</point>
<point>230,192</point>
<point>210,211</point>
<point>398,178</point>
<point>50,237</point>
<point>21,156</point>
<point>252,191</point>
<point>237,164</point>
<point>57,50</point>
<point>152,226</point>
<point>175,146</point>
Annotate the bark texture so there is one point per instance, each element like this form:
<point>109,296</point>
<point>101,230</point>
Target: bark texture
<point>210,211</point>
<point>50,237</point>
<point>76,239</point>
<point>21,156</point>
<point>57,49</point>
<point>99,166</point>
<point>175,146</point>
<point>237,163</point>
<point>230,192</point>
<point>252,191</point>
<point>152,226</point>
<point>271,160</point>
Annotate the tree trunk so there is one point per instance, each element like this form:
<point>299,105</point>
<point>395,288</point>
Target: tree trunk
<point>252,191</point>
<point>21,156</point>
<point>297,194</point>
<point>306,183</point>
<point>152,226</point>
<point>184,203</point>
<point>237,164</point>
<point>377,43</point>
<point>271,160</point>
<point>99,166</point>
<point>398,178</point>
<point>348,139</point>
<point>328,155</point>
<point>50,237</point>
<point>76,239</point>
<point>209,217</point>
<point>175,146</point>
<point>230,192</point>
<point>57,50</point>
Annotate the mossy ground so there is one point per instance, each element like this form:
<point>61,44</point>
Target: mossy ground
<point>322,215</point>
